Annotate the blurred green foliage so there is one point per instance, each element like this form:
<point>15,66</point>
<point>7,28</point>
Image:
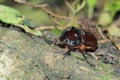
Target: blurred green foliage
<point>75,6</point>
<point>2,1</point>
<point>70,8</point>
<point>108,12</point>
<point>91,5</point>
<point>112,7</point>
<point>53,3</point>
<point>57,31</point>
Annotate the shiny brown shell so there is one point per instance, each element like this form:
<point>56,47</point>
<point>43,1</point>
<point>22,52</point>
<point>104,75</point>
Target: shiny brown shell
<point>73,39</point>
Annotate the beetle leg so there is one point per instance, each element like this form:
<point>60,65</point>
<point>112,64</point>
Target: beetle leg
<point>91,64</point>
<point>83,54</point>
<point>67,52</point>
<point>49,42</point>
<point>82,48</point>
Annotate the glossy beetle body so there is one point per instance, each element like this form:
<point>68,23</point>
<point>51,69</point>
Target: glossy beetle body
<point>73,39</point>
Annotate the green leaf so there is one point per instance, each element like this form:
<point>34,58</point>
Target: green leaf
<point>36,32</point>
<point>28,30</point>
<point>10,15</point>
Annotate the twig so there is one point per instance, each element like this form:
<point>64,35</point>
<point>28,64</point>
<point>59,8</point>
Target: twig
<point>54,20</point>
<point>43,7</point>
<point>100,32</point>
<point>44,28</point>
<point>114,42</point>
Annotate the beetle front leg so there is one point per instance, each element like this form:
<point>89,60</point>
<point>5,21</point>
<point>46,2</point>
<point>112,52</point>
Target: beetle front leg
<point>84,55</point>
<point>67,52</point>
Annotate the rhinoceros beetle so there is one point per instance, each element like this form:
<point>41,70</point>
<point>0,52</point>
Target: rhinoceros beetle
<point>73,39</point>
<point>77,40</point>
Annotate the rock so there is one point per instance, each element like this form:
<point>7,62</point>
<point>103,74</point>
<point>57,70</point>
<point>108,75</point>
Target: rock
<point>26,58</point>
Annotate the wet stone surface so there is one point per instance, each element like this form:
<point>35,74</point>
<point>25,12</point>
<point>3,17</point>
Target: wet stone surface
<point>26,58</point>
